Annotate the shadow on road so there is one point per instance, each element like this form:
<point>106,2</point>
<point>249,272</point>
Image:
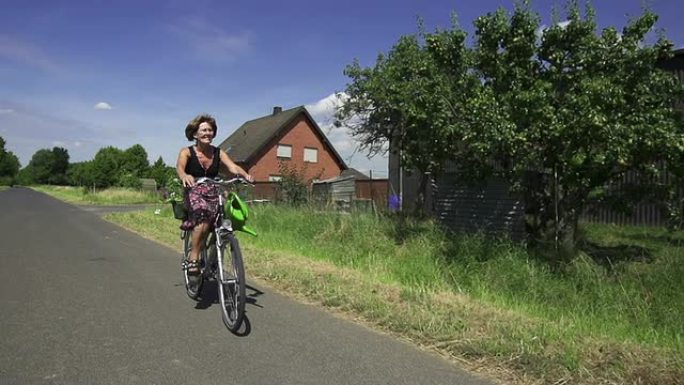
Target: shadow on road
<point>210,297</point>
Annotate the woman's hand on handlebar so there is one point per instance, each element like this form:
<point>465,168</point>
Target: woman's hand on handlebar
<point>248,178</point>
<point>188,180</point>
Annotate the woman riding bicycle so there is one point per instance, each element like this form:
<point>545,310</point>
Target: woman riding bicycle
<point>202,160</point>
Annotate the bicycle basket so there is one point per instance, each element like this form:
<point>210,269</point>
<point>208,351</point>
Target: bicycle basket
<point>179,210</point>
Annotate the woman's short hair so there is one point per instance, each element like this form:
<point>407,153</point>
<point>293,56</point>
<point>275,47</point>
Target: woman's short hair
<point>193,126</point>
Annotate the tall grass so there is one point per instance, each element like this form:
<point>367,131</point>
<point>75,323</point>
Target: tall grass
<point>612,316</point>
<point>110,196</point>
<point>640,301</point>
<point>360,241</point>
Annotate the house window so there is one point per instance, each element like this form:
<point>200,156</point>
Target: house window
<point>311,155</point>
<point>274,178</point>
<point>284,151</point>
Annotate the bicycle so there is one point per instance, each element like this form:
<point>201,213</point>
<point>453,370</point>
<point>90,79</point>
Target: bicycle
<point>230,279</point>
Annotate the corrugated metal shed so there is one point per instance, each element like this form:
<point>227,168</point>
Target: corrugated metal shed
<point>489,208</point>
<point>341,188</point>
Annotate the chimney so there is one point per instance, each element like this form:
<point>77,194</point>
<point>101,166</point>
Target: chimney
<point>277,110</point>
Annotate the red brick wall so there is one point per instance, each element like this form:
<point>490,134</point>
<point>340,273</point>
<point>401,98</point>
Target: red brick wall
<point>300,135</point>
<point>265,190</point>
<point>375,189</point>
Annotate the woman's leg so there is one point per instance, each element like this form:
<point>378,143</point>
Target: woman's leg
<point>199,234</point>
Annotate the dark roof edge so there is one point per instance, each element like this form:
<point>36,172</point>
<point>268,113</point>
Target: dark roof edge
<point>277,132</point>
<point>285,124</point>
<point>268,139</point>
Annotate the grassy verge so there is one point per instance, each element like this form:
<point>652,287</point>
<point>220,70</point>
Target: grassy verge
<point>613,316</point>
<point>110,196</point>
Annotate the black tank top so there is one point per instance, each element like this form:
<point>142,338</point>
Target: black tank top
<point>194,168</point>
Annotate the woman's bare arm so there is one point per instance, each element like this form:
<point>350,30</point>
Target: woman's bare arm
<point>233,167</point>
<point>186,179</point>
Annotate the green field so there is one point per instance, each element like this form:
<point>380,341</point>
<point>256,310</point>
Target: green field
<point>612,316</point>
<point>110,196</point>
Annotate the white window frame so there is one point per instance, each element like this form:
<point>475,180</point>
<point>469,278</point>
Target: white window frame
<point>284,151</point>
<point>274,178</point>
<point>310,151</point>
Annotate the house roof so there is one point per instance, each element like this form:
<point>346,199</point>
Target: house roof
<point>355,173</point>
<point>674,63</point>
<point>335,179</point>
<point>254,135</point>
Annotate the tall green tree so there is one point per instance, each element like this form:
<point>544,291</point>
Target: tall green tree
<point>9,165</point>
<point>81,174</point>
<point>134,161</point>
<point>106,167</point>
<point>60,166</point>
<point>41,165</point>
<point>558,112</point>
<point>582,110</point>
<point>410,99</point>
<point>47,166</point>
<point>161,173</point>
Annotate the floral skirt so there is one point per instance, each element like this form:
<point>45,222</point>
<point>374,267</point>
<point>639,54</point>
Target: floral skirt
<point>202,202</point>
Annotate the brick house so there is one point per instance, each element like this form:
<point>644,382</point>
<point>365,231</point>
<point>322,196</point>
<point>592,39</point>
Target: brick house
<point>289,136</point>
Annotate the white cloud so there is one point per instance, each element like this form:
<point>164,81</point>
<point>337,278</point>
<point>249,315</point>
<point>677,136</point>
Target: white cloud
<point>210,42</point>
<point>540,31</point>
<point>563,24</point>
<point>26,53</point>
<point>103,106</point>
<point>68,145</point>
<point>327,106</point>
<point>323,112</point>
<point>4,111</point>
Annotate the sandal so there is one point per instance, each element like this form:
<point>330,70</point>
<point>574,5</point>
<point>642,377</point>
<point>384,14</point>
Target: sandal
<point>191,267</point>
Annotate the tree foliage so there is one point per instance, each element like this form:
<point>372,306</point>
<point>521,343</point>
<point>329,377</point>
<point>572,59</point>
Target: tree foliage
<point>110,167</point>
<point>559,112</point>
<point>47,167</point>
<point>9,165</point>
<point>161,173</point>
<point>134,161</point>
<point>81,174</point>
<point>293,186</point>
<point>106,166</point>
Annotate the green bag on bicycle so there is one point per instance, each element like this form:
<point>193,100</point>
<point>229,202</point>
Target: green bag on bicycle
<point>238,212</point>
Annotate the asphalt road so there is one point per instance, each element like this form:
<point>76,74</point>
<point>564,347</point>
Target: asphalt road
<point>83,301</point>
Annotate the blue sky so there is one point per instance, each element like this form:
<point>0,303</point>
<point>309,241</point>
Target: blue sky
<point>87,74</point>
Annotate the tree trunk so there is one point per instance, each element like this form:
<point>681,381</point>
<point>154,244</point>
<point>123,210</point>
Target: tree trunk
<point>423,203</point>
<point>551,226</point>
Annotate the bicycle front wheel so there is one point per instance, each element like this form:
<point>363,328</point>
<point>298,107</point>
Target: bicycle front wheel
<point>231,285</point>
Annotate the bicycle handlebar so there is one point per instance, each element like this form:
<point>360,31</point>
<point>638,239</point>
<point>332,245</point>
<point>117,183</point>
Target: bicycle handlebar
<point>221,182</point>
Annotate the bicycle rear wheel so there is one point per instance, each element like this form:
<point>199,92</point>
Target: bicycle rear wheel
<point>231,284</point>
<point>193,285</point>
